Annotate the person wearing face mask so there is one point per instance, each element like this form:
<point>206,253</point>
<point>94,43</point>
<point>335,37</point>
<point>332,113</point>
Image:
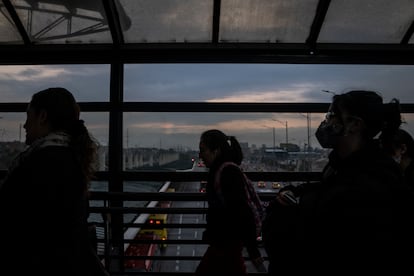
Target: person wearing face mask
<point>354,218</point>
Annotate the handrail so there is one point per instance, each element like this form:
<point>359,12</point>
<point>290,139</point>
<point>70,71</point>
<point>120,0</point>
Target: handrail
<point>106,197</point>
<point>111,256</point>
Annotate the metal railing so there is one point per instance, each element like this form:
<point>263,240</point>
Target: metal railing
<point>113,253</point>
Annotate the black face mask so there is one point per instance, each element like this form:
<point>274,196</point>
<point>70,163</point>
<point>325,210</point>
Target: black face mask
<point>328,135</point>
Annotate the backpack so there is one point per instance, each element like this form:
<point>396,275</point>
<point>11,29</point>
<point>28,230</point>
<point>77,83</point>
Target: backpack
<point>253,199</point>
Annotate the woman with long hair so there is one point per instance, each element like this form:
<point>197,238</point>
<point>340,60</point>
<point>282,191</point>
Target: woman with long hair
<point>44,198</point>
<point>232,215</point>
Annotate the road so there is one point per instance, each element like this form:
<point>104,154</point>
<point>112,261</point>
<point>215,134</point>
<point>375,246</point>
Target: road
<point>186,234</point>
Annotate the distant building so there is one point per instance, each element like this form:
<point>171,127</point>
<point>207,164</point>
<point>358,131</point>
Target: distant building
<point>275,154</point>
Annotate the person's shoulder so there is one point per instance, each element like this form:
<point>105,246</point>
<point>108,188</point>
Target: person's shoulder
<point>230,168</point>
<point>230,174</point>
<point>229,164</point>
<point>376,159</point>
<point>384,163</point>
<point>53,155</point>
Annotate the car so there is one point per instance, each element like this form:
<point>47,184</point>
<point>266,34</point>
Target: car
<point>276,185</point>
<point>261,184</point>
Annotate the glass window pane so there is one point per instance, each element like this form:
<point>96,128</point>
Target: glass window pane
<point>87,82</point>
<point>266,21</point>
<point>8,31</point>
<point>368,21</point>
<point>159,141</point>
<point>13,135</point>
<point>270,141</point>
<point>262,82</point>
<point>98,126</point>
<point>168,21</point>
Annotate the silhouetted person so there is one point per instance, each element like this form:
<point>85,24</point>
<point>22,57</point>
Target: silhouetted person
<point>44,198</point>
<point>353,219</point>
<point>401,148</point>
<point>230,220</point>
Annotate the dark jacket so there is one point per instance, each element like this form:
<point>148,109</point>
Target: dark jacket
<point>43,217</point>
<point>355,218</point>
<point>229,218</point>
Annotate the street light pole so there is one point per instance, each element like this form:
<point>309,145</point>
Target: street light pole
<point>308,123</point>
<point>308,119</point>
<point>287,135</point>
<point>287,132</point>
<point>274,137</point>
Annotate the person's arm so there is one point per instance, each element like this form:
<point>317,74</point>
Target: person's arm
<point>301,188</point>
<point>234,192</point>
<point>256,257</point>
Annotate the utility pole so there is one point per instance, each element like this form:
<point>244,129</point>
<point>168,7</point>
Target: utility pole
<point>287,132</point>
<point>308,120</point>
<point>308,123</point>
<point>127,138</point>
<point>274,138</point>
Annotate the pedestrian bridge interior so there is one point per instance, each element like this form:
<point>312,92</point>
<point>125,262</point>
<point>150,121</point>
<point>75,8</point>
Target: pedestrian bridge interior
<point>118,33</point>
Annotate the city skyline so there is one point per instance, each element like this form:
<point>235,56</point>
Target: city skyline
<point>204,83</point>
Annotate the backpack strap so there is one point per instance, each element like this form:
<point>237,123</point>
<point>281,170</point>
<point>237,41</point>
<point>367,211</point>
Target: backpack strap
<point>217,184</point>
<point>217,178</point>
<point>253,199</point>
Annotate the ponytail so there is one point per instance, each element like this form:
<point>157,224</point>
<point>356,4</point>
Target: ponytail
<point>228,145</point>
<point>236,151</point>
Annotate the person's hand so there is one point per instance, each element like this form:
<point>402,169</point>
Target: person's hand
<point>259,264</point>
<point>286,197</point>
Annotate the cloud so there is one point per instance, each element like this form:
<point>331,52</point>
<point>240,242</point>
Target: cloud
<point>31,73</point>
<point>205,83</point>
<point>292,95</point>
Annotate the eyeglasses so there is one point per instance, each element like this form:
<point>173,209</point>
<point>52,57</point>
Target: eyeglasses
<point>330,115</point>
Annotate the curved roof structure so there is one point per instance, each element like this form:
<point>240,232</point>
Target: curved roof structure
<point>283,31</point>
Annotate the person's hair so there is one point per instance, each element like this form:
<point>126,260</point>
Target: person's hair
<point>229,147</point>
<point>390,144</point>
<point>368,106</point>
<point>63,115</point>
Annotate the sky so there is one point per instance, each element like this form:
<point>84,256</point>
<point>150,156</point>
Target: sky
<point>204,83</point>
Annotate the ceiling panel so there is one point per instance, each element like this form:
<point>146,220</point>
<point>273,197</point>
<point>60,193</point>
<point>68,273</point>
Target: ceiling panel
<point>367,21</point>
<point>63,22</point>
<point>284,31</point>
<point>163,21</point>
<point>266,21</point>
<point>8,31</point>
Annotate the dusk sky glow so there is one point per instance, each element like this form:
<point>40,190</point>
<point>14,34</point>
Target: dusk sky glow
<point>204,83</point>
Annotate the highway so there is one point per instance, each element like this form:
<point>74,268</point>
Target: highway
<point>186,233</point>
